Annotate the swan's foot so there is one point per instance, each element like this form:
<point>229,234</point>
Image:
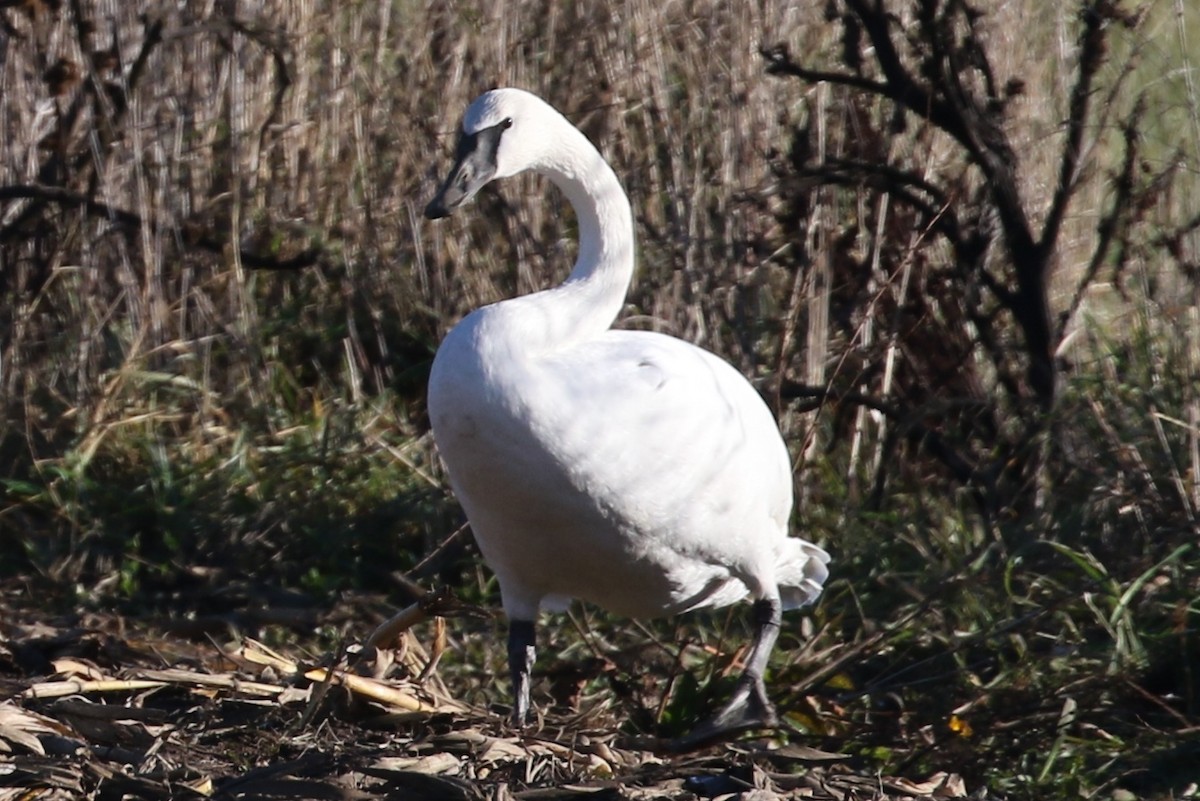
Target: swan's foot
<point>748,709</point>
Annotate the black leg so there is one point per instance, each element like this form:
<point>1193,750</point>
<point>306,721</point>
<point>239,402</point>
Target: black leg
<point>749,708</point>
<point>768,619</point>
<point>521,654</point>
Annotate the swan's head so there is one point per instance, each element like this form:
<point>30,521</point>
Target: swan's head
<point>499,137</point>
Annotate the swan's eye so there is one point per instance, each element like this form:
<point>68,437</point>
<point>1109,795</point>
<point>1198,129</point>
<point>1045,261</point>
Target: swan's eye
<point>506,123</point>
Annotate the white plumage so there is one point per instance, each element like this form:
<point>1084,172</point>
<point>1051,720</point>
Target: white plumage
<point>626,468</point>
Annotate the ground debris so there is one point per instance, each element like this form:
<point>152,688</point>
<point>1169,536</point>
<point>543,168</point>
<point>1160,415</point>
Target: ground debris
<point>99,709</point>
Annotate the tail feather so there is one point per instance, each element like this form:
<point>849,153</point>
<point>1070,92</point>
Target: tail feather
<point>801,573</point>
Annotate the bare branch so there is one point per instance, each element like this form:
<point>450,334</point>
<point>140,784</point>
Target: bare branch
<point>963,468</point>
<point>1110,223</point>
<point>938,93</point>
<point>904,185</point>
<point>1091,56</point>
<point>779,62</point>
<point>66,197</point>
<point>128,219</point>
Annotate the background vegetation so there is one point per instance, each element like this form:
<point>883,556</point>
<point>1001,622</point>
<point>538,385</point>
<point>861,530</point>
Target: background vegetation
<point>955,245</point>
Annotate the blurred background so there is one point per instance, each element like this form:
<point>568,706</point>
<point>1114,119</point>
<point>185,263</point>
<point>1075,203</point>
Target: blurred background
<point>962,269</point>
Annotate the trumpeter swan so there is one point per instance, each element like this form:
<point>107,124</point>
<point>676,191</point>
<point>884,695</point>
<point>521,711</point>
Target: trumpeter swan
<point>626,468</point>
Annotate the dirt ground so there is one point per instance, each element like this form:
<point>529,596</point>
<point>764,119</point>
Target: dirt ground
<point>103,706</point>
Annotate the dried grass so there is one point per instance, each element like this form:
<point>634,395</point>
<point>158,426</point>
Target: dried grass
<point>236,723</point>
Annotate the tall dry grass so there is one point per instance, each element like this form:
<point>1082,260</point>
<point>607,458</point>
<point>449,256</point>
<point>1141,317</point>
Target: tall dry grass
<point>289,125</point>
<point>300,132</point>
<point>211,236</point>
<point>221,202</point>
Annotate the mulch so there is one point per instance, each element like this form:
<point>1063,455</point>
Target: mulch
<point>98,707</point>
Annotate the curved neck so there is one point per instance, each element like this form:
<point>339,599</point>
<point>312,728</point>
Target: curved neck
<point>589,300</point>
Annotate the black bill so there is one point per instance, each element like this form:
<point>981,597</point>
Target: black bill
<point>474,166</point>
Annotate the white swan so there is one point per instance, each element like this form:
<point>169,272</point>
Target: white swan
<point>626,468</point>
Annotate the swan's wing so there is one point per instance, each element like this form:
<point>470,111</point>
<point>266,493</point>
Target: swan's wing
<point>672,440</point>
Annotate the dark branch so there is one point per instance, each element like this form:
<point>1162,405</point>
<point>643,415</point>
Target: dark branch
<point>67,197</point>
<point>963,469</point>
<point>1110,223</point>
<point>128,219</point>
<point>904,185</point>
<point>1091,56</point>
<point>779,62</point>
<point>901,86</point>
